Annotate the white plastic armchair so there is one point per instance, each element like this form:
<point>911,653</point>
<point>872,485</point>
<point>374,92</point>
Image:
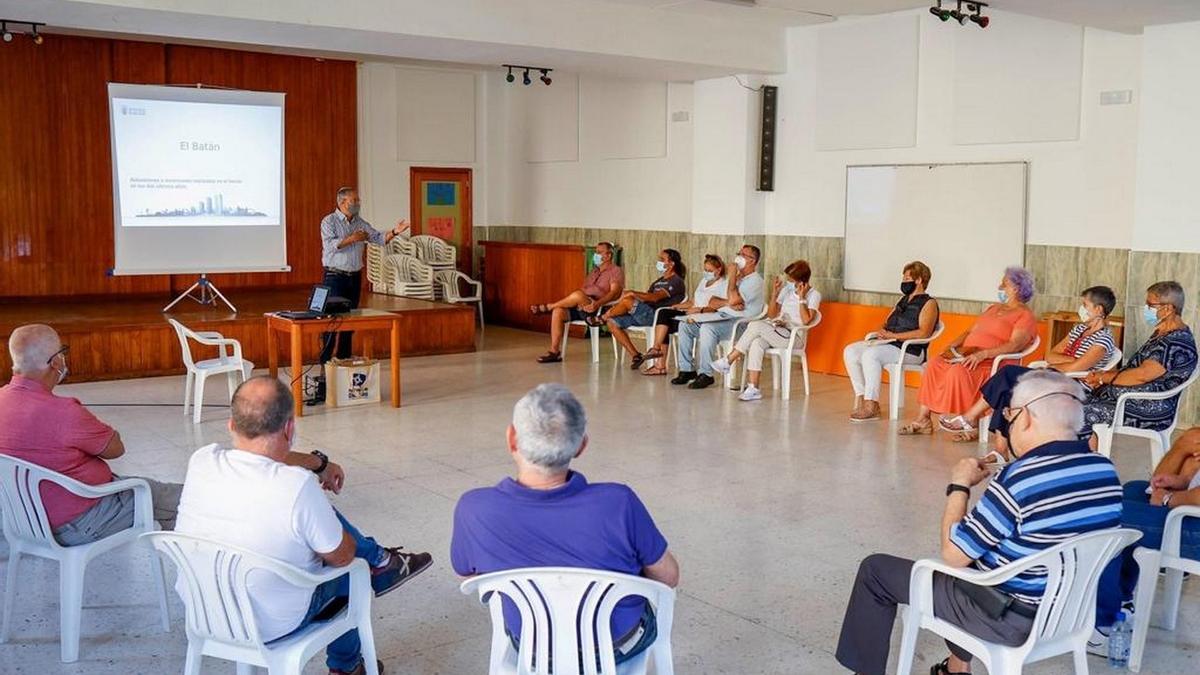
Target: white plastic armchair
<point>27,530</point>
<point>448,283</point>
<point>1150,561</point>
<point>220,617</point>
<point>1112,362</point>
<point>781,359</point>
<point>1159,439</point>
<point>407,276</point>
<point>725,347</point>
<point>565,621</point>
<point>647,333</point>
<point>230,363</point>
<point>593,336</point>
<point>897,370</point>
<point>1064,618</point>
<point>435,252</point>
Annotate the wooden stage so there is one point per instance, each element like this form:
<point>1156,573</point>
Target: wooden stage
<point>130,337</point>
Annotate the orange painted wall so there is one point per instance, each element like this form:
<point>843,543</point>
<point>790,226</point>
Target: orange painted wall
<point>843,323</point>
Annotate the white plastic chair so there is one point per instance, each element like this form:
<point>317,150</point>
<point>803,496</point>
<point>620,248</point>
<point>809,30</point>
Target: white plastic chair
<point>448,280</point>
<point>1113,361</point>
<point>435,252</point>
<point>593,335</point>
<point>407,276</point>
<point>781,359</point>
<point>375,257</point>
<point>897,370</point>
<point>725,347</point>
<point>220,617</point>
<point>565,620</point>
<point>232,365</point>
<point>1064,617</point>
<point>27,530</point>
<point>1017,358</point>
<point>1159,440</point>
<point>1149,562</point>
<point>647,333</point>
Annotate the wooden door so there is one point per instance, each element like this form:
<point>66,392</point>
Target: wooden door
<point>440,205</point>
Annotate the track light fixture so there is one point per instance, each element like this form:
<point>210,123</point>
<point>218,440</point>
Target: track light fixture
<point>7,35</point>
<point>974,12</point>
<point>527,77</point>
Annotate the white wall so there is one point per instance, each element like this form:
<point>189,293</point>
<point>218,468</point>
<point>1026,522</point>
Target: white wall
<point>1168,161</point>
<point>1081,192</point>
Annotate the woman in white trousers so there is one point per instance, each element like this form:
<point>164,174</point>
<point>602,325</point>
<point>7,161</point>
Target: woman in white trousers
<point>914,317</point>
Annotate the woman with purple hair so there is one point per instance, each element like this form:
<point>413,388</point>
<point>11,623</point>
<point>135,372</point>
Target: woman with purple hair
<point>952,380</point>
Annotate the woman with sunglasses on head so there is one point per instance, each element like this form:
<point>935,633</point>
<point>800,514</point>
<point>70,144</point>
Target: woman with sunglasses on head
<point>1165,361</point>
<point>711,294</point>
<point>637,309</point>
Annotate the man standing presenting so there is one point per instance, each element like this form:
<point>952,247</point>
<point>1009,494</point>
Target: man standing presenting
<point>343,234</point>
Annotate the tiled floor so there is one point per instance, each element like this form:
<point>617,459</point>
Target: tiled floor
<point>769,506</point>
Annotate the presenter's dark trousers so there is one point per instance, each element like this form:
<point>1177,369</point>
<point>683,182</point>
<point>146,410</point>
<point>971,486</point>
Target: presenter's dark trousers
<point>346,285</point>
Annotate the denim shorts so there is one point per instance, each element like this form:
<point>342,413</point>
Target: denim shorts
<point>641,315</point>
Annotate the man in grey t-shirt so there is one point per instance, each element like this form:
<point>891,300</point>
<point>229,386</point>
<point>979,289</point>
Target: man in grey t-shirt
<point>698,341</point>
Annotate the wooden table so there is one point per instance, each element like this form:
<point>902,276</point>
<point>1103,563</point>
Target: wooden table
<point>355,320</point>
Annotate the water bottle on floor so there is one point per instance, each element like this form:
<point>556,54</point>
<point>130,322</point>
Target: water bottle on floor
<point>1120,636</point>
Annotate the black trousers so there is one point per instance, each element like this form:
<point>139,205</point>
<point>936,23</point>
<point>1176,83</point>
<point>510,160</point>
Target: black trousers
<point>348,286</point>
<point>997,391</point>
<point>883,583</point>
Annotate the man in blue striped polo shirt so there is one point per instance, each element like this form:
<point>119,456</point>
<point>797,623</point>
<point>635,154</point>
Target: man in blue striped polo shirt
<point>1054,489</point>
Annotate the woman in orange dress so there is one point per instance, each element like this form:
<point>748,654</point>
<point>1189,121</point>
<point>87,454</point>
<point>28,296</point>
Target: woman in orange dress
<point>952,380</point>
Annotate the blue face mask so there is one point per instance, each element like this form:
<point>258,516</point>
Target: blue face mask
<point>1003,295</point>
<point>1150,315</point>
<point>597,259</point>
<point>709,276</point>
<point>790,287</point>
<point>660,266</point>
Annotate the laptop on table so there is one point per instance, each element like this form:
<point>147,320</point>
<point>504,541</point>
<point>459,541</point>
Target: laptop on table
<point>317,302</point>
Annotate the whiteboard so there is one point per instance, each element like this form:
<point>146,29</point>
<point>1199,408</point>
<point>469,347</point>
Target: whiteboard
<point>966,221</point>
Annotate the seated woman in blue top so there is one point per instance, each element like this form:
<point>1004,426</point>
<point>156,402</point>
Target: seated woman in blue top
<point>1165,361</point>
<point>1089,346</point>
<point>550,516</point>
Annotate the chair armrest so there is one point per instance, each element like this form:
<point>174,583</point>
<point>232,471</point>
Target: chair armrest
<point>1123,399</point>
<point>1173,528</point>
<point>303,579</point>
<point>142,505</point>
<point>216,340</point>
<point>921,588</point>
<point>872,335</point>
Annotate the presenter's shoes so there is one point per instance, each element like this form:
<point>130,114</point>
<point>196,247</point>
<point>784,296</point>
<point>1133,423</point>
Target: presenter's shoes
<point>702,380</point>
<point>400,568</point>
<point>360,670</point>
<point>684,377</point>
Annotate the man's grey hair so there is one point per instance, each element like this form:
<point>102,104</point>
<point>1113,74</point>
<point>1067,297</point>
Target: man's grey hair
<point>261,406</point>
<point>344,193</point>
<point>1052,412</point>
<point>31,347</point>
<point>1169,292</point>
<point>550,425</point>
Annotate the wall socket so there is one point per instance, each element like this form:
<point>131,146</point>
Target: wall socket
<point>680,116</point>
<point>1116,97</point>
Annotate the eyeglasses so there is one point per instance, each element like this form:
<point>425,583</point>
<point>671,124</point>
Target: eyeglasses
<point>64,351</point>
<point>1011,416</point>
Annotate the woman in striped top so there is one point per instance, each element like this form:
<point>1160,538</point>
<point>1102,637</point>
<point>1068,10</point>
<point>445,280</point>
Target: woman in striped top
<point>1089,346</point>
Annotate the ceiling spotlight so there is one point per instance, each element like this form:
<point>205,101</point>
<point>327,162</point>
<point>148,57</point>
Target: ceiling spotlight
<point>36,36</point>
<point>7,35</point>
<point>545,78</point>
<point>978,17</point>
<point>943,14</point>
<point>526,80</point>
<point>510,77</point>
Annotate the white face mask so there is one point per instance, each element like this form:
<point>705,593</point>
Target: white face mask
<point>660,266</point>
<point>740,261</point>
<point>709,276</point>
<point>62,374</point>
<point>1084,315</point>
<point>597,259</point>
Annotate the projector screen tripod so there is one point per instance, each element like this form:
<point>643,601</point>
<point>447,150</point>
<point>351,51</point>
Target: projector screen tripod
<point>208,294</point>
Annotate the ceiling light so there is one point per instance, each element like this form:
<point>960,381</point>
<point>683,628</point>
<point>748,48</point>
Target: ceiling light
<point>526,80</point>
<point>7,35</point>
<point>974,12</point>
<point>510,77</point>
<point>545,78</point>
<point>36,36</point>
<point>978,17</point>
<point>943,14</point>
<point>526,73</point>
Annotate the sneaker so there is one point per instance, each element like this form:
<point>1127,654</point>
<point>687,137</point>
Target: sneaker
<point>400,568</point>
<point>684,377</point>
<point>701,381</point>
<point>721,365</point>
<point>1097,644</point>
<point>360,670</point>
<point>750,393</point>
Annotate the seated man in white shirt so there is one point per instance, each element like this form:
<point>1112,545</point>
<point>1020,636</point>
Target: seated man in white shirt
<point>258,495</point>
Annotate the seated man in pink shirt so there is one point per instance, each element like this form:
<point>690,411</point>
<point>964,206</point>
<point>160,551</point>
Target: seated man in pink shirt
<point>60,434</point>
<point>603,285</point>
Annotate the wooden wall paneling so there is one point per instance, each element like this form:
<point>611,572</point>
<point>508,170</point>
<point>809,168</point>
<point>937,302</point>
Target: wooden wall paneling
<point>517,275</point>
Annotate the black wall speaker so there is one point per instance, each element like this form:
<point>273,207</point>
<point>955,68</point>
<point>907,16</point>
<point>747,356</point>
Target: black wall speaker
<point>766,140</point>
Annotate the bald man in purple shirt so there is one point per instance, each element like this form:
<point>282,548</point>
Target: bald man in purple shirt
<point>550,516</point>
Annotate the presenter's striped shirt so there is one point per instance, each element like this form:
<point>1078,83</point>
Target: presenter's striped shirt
<point>1052,493</point>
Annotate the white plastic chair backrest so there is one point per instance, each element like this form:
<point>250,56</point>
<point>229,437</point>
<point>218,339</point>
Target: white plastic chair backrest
<point>21,500</point>
<point>433,249</point>
<point>183,333</point>
<point>1016,357</point>
<point>1073,573</point>
<point>213,575</point>
<point>566,614</point>
<point>375,255</point>
<point>399,245</point>
<point>799,337</point>
<point>406,269</point>
<point>448,280</point>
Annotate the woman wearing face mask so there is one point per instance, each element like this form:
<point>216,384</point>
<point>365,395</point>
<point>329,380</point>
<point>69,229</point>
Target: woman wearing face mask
<point>1089,346</point>
<point>794,302</point>
<point>914,317</point>
<point>1165,361</point>
<point>637,309</point>
<point>951,381</point>
<point>711,294</point>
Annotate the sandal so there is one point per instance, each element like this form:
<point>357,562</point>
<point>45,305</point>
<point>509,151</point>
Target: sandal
<point>965,436</point>
<point>550,357</point>
<point>594,320</point>
<point>656,370</point>
<point>654,353</point>
<point>916,429</point>
<point>943,668</point>
<point>954,424</point>
<point>637,361</point>
<point>539,309</point>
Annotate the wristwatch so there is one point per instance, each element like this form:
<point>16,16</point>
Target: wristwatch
<point>324,461</point>
<point>955,487</point>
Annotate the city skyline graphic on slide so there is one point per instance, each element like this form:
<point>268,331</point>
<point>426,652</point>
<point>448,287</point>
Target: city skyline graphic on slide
<point>213,205</point>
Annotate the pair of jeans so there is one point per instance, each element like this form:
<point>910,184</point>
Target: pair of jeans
<point>348,286</point>
<point>344,653</point>
<point>1119,579</point>
<point>708,335</point>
